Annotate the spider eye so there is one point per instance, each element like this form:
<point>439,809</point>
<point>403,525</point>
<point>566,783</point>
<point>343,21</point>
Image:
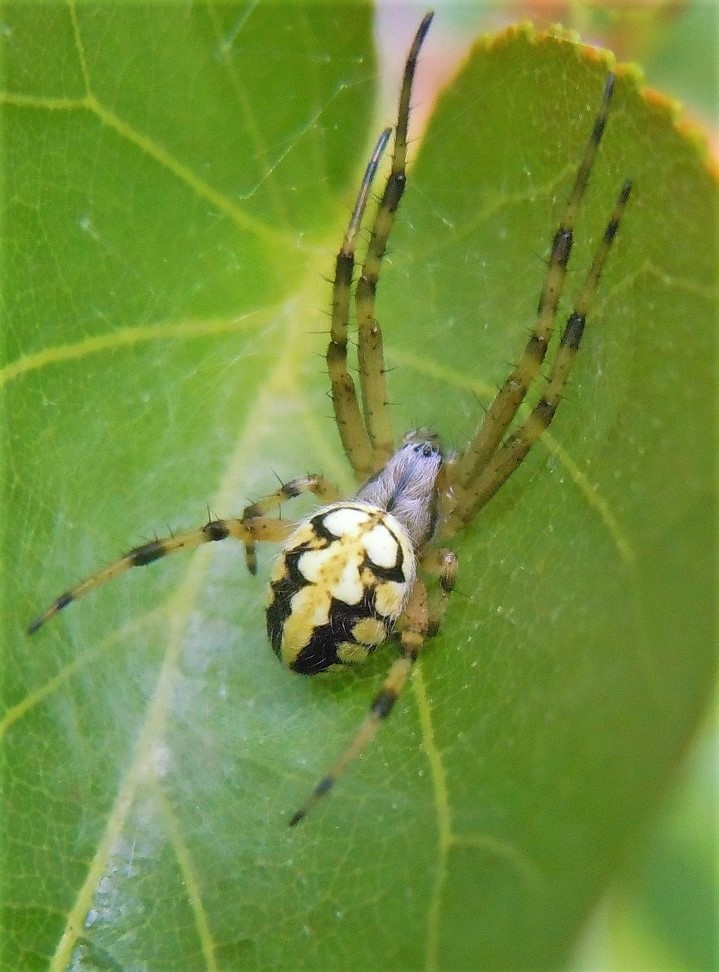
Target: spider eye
<point>426,449</point>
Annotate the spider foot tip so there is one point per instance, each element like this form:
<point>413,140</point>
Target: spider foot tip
<point>324,786</point>
<point>425,23</point>
<point>58,605</point>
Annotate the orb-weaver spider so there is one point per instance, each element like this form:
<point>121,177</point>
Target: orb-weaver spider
<point>347,576</point>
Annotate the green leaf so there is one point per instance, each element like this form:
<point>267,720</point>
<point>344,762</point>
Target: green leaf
<point>178,180</point>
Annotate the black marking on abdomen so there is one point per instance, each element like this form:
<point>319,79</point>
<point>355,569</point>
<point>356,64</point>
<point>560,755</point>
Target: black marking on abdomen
<point>395,573</point>
<point>322,532</point>
<point>321,650</point>
<point>278,610</point>
<point>283,590</point>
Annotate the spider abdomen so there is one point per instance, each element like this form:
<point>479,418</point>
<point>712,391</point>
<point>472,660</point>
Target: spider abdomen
<point>338,586</point>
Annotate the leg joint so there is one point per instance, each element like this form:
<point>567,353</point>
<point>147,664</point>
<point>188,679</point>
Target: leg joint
<point>216,530</point>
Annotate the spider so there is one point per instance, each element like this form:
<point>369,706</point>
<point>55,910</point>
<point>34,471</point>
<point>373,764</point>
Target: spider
<point>352,575</point>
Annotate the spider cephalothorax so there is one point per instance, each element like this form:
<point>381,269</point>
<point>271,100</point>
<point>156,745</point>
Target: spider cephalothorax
<point>354,572</point>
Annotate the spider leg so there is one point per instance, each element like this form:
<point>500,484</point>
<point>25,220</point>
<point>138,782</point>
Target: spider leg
<point>251,531</point>
<point>373,378</point>
<point>510,396</point>
<point>516,446</point>
<point>252,528</point>
<point>320,487</point>
<point>350,423</point>
<point>412,635</point>
<point>441,563</point>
